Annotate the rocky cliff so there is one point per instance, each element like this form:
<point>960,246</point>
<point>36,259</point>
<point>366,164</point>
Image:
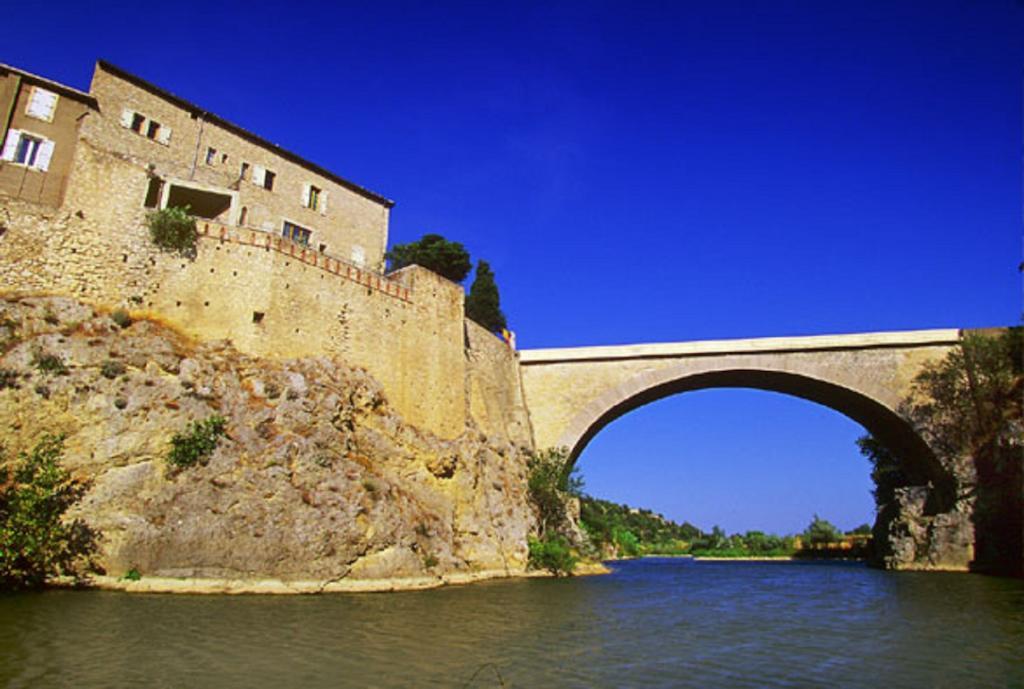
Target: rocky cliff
<point>317,478</point>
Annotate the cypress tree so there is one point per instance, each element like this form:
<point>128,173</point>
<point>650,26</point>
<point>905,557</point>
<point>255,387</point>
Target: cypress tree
<point>482,304</point>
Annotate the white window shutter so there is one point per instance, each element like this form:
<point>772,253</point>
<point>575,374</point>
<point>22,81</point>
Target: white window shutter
<point>258,173</point>
<point>126,117</point>
<point>44,155</point>
<point>41,104</point>
<point>305,194</point>
<point>11,145</point>
<point>323,202</point>
<point>164,135</point>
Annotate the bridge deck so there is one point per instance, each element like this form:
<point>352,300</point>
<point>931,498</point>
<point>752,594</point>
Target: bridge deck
<point>909,338</point>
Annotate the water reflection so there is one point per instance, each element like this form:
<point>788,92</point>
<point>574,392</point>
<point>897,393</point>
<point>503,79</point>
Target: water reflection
<point>654,623</point>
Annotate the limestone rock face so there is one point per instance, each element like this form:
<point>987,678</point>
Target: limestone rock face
<point>316,478</point>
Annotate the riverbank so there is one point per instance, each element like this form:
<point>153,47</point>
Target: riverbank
<point>213,586</point>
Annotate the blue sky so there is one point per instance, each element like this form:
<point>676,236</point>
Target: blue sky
<point>641,172</point>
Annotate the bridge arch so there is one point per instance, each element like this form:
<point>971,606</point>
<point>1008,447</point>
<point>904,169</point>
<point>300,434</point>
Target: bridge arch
<point>573,393</point>
<point>878,418</point>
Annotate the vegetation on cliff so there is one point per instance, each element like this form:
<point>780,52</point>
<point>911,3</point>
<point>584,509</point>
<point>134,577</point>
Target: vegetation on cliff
<point>298,470</point>
<point>969,406</point>
<point>551,486</point>
<point>37,540</point>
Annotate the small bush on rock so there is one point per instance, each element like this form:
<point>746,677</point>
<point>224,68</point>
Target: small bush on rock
<point>553,554</point>
<point>121,317</point>
<point>173,229</point>
<point>197,443</point>
<point>112,369</point>
<point>36,542</point>
<point>49,363</point>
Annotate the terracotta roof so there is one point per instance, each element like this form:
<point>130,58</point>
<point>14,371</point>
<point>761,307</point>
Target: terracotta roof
<point>244,133</point>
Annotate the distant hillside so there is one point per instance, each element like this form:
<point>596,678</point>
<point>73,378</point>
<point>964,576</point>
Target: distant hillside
<point>624,531</point>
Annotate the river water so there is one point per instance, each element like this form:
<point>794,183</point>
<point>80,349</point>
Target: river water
<point>653,623</point>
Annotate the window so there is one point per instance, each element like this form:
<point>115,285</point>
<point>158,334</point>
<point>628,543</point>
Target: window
<point>262,177</point>
<point>295,233</point>
<point>211,155</point>
<point>149,128</point>
<point>27,149</point>
<point>244,171</point>
<point>311,196</point>
<point>41,104</point>
<point>223,158</point>
<point>244,216</point>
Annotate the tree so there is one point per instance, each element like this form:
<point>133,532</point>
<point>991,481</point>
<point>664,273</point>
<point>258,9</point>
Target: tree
<point>821,532</point>
<point>970,406</point>
<point>433,252</point>
<point>36,542</point>
<point>482,304</point>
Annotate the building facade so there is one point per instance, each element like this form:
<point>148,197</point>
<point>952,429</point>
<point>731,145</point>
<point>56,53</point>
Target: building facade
<point>39,130</point>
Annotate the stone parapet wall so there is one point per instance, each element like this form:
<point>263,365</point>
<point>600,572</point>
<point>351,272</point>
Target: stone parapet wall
<point>405,329</point>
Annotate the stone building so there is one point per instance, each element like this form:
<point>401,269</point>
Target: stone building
<point>39,130</point>
<point>223,172</point>
<point>289,260</point>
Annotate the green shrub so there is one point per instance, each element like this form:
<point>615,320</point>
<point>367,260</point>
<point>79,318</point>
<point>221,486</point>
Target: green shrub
<point>434,252</point>
<point>553,554</point>
<point>430,562</point>
<point>121,317</point>
<point>49,363</point>
<point>132,574</point>
<point>483,303</point>
<point>196,443</point>
<point>549,486</point>
<point>112,369</point>
<point>36,542</point>
<point>173,229</point>
<point>8,378</point>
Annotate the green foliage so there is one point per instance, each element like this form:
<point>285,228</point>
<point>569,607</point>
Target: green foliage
<point>132,574</point>
<point>626,542</point>
<point>971,405</point>
<point>36,542</point>
<point>887,471</point>
<point>603,520</point>
<point>112,368</point>
<point>482,303</point>
<point>430,561</point>
<point>197,443</point>
<point>49,363</point>
<point>8,378</point>
<point>121,317</point>
<point>174,230</point>
<point>434,252</point>
<point>821,532</point>
<point>547,486</point>
<point>862,530</point>
<point>553,554</point>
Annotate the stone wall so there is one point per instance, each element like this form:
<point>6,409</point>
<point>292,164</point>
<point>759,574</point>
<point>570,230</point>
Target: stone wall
<point>269,296</point>
<point>494,389</point>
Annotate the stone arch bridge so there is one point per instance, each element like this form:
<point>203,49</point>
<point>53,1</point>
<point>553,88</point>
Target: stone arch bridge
<point>573,393</point>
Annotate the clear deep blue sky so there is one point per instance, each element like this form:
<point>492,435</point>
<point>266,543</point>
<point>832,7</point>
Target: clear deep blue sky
<point>641,172</point>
